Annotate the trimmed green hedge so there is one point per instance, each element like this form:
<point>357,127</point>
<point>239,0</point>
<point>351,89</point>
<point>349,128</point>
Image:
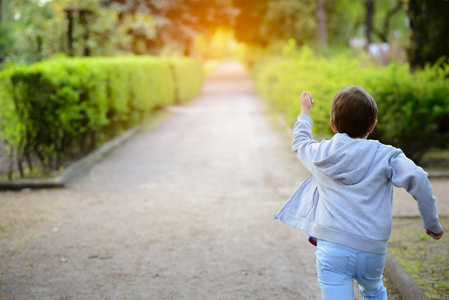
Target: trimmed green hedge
<point>65,108</point>
<point>413,107</point>
<point>187,84</point>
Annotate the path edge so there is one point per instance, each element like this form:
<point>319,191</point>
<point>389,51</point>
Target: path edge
<point>75,169</point>
<point>406,285</point>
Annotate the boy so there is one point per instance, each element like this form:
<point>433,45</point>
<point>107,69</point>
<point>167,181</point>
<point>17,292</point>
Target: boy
<point>346,202</point>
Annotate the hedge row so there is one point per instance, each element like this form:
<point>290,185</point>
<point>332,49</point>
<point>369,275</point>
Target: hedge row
<point>65,108</point>
<point>413,107</point>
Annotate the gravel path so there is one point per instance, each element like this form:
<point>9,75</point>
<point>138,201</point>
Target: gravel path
<point>181,211</point>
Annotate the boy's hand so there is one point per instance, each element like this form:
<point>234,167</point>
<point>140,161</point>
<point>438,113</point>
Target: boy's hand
<point>306,102</point>
<point>435,236</point>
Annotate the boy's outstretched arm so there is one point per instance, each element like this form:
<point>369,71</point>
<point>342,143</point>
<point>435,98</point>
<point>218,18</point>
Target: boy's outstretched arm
<point>306,102</point>
<point>434,235</point>
<point>303,143</point>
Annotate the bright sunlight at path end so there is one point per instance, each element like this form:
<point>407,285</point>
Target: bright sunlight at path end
<point>181,211</point>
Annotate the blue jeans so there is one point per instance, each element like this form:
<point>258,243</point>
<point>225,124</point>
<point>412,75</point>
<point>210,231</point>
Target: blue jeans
<point>338,266</point>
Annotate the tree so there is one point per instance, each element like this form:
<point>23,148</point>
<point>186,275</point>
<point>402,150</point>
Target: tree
<point>344,18</point>
<point>33,30</point>
<point>391,11</point>
<point>19,17</point>
<point>369,10</point>
<point>287,19</point>
<point>248,21</point>
<point>321,20</point>
<point>326,22</point>
<point>428,39</point>
<point>90,29</point>
<point>184,19</point>
<point>177,22</point>
<point>264,22</point>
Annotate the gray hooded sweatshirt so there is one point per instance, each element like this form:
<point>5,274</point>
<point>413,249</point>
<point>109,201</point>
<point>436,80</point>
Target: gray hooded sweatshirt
<point>348,198</point>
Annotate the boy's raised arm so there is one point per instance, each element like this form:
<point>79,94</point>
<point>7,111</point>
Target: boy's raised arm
<point>306,102</point>
<point>303,143</point>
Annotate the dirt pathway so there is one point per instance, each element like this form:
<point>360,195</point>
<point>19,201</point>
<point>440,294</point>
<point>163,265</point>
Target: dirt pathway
<point>181,211</point>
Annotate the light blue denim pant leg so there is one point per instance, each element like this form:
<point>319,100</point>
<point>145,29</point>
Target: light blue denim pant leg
<point>338,266</point>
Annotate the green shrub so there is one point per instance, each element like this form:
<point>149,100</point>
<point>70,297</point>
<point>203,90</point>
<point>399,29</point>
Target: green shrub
<point>64,108</point>
<point>11,129</point>
<point>188,75</point>
<point>413,108</point>
<point>62,105</point>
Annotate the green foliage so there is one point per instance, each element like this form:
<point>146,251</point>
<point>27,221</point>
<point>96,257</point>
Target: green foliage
<point>286,19</point>
<point>32,30</point>
<point>413,108</point>
<point>35,30</point>
<point>62,105</point>
<point>265,22</point>
<point>344,17</point>
<point>11,129</point>
<point>281,79</point>
<point>269,21</point>
<point>176,22</point>
<point>64,108</point>
<point>188,84</point>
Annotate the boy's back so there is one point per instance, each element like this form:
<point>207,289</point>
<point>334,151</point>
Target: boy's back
<point>354,179</point>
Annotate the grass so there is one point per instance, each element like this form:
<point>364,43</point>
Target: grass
<point>393,293</point>
<point>425,259</point>
<point>436,160</point>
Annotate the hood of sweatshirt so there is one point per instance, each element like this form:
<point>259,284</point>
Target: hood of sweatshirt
<point>344,158</point>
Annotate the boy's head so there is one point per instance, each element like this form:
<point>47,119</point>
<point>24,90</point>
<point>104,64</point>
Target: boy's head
<point>354,112</point>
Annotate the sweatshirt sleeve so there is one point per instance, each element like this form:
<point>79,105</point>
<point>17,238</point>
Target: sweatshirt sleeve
<point>416,182</point>
<point>303,144</point>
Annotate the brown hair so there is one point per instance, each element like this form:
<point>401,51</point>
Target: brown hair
<point>353,111</point>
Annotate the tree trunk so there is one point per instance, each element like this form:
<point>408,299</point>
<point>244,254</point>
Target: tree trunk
<point>429,31</point>
<point>369,9</point>
<point>385,30</point>
<point>69,14</point>
<point>321,22</point>
<point>84,19</point>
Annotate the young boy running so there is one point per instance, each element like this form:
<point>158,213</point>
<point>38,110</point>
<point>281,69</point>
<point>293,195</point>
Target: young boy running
<point>346,203</point>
